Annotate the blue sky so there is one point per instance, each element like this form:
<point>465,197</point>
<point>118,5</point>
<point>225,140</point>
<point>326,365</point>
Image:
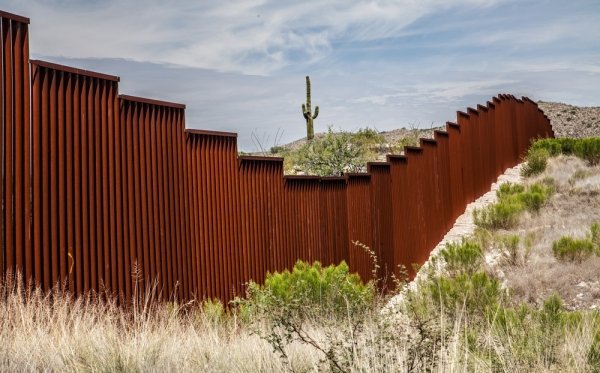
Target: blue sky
<point>240,65</point>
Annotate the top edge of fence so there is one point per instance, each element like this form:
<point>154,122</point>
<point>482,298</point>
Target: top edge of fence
<point>151,101</point>
<point>471,110</point>
<point>14,17</point>
<point>412,149</point>
<point>399,157</point>
<point>74,70</point>
<point>252,158</point>
<point>333,178</point>
<point>302,177</point>
<point>481,108</point>
<point>194,131</point>
<point>358,175</point>
<point>427,141</point>
<point>378,164</point>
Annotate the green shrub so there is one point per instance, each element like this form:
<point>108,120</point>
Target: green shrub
<point>309,288</point>
<point>535,197</point>
<point>465,257</point>
<point>569,248</point>
<point>277,149</point>
<point>498,215</point>
<point>475,293</point>
<point>587,149</point>
<point>512,200</point>
<point>336,153</point>
<point>536,159</point>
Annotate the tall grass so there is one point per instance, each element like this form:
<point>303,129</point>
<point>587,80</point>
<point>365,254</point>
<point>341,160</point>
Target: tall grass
<point>56,332</point>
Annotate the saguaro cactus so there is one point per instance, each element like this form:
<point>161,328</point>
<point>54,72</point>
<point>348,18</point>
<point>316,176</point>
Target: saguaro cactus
<point>308,115</point>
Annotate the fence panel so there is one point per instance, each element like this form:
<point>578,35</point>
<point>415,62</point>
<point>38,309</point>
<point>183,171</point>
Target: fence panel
<point>112,194</point>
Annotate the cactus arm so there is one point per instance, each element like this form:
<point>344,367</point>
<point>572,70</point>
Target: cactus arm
<point>304,112</point>
<point>316,112</point>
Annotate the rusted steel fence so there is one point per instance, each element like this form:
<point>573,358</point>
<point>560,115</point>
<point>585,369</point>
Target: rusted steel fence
<point>111,193</point>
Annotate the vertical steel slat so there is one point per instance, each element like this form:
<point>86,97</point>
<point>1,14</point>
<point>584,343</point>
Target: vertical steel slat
<point>183,217</point>
<point>131,274</point>
<point>37,104</point>
<point>120,189</point>
<point>165,274</point>
<point>153,198</point>
<point>105,216</point>
<point>97,188</point>
<point>8,147</point>
<point>18,145</point>
<point>27,213</point>
<point>206,220</point>
<point>91,185</point>
<point>85,195</point>
<point>114,244</point>
<point>61,182</point>
<point>191,227</point>
<point>70,223</point>
<point>52,156</point>
<point>140,125</point>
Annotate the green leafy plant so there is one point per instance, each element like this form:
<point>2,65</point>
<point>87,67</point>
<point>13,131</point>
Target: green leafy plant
<point>335,154</point>
<point>536,162</point>
<point>310,288</point>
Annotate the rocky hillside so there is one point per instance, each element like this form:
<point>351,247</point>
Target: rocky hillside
<point>572,121</point>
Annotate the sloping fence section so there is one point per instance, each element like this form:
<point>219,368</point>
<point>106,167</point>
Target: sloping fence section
<point>111,193</point>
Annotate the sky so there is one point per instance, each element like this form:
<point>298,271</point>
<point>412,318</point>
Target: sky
<point>240,66</point>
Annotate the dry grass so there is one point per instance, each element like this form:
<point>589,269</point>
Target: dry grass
<point>569,212</point>
<point>58,333</point>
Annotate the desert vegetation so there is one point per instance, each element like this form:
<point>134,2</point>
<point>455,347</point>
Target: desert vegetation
<point>336,151</point>
<point>507,298</point>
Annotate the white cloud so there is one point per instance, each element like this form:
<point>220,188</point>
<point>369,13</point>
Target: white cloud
<point>247,36</point>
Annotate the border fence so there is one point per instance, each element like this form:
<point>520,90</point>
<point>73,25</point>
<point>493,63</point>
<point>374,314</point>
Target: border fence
<point>111,193</point>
